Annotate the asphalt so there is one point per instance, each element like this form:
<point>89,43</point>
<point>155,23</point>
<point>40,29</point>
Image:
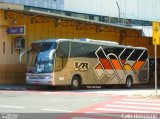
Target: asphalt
<point>38,87</point>
<point>13,87</point>
<point>143,91</point>
<point>22,87</point>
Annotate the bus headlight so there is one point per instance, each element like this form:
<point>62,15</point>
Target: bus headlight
<point>48,77</point>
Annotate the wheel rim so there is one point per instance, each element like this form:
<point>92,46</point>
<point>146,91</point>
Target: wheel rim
<point>129,83</point>
<point>75,83</point>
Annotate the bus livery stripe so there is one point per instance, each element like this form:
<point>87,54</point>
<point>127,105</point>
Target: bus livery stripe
<point>99,66</point>
<point>116,64</point>
<point>137,66</point>
<point>106,64</point>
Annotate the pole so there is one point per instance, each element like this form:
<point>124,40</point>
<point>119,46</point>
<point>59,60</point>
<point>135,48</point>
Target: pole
<point>155,68</point>
<point>118,11</point>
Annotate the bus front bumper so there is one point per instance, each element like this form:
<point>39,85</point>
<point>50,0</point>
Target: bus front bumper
<point>38,80</point>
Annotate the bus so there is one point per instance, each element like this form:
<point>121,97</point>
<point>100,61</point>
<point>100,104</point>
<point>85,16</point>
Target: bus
<point>70,62</point>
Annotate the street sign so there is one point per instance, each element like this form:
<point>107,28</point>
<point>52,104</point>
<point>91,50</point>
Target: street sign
<point>156,41</point>
<point>156,33</point>
<point>16,30</point>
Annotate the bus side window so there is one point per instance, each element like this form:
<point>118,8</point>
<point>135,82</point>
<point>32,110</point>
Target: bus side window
<point>62,55</point>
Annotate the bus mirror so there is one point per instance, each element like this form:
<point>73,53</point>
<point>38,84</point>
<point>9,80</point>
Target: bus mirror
<point>51,53</point>
<point>23,57</point>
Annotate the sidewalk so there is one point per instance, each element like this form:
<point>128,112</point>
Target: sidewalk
<point>135,92</point>
<point>148,94</point>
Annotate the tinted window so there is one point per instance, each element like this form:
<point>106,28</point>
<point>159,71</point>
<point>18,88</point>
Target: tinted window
<point>83,50</point>
<point>62,54</point>
<point>63,49</point>
<point>117,51</point>
<point>89,50</point>
<point>126,53</point>
<point>101,54</point>
<point>144,56</point>
<point>41,47</point>
<point>135,55</point>
<point>77,50</point>
<point>48,46</point>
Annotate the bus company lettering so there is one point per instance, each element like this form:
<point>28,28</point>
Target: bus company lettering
<point>81,66</point>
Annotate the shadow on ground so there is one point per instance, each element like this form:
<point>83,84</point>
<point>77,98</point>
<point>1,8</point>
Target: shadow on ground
<point>90,87</point>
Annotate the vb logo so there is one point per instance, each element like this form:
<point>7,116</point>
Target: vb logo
<point>81,66</point>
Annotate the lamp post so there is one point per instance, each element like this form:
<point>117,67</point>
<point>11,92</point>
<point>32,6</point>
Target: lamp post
<point>118,11</point>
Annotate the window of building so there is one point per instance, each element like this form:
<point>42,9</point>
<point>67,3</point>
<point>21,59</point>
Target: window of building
<point>91,17</point>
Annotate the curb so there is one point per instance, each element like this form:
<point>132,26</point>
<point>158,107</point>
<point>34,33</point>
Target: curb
<point>12,87</point>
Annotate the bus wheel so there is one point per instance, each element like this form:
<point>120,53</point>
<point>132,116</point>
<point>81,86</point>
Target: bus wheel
<point>76,82</point>
<point>129,82</point>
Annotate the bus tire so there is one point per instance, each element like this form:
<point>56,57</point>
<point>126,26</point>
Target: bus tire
<point>129,82</point>
<point>76,82</point>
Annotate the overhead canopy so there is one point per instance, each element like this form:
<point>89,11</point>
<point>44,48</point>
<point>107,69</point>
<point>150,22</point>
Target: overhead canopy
<point>20,8</point>
<point>80,19</point>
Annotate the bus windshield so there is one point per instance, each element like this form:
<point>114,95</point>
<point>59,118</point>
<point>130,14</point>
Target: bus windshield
<point>41,57</point>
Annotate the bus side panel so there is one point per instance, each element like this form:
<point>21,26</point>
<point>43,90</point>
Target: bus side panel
<point>143,75</point>
<point>101,65</point>
<point>63,75</point>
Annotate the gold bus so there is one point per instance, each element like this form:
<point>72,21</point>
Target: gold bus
<point>85,62</point>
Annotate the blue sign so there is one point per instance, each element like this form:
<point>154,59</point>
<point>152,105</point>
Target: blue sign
<point>16,30</point>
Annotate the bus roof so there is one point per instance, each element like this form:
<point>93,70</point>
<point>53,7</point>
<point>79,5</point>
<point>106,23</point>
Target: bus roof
<point>81,40</point>
<point>88,41</point>
<point>45,40</point>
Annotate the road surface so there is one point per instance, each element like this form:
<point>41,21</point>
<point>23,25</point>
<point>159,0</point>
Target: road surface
<point>89,104</point>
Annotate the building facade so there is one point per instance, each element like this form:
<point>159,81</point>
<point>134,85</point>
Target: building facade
<point>128,9</point>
